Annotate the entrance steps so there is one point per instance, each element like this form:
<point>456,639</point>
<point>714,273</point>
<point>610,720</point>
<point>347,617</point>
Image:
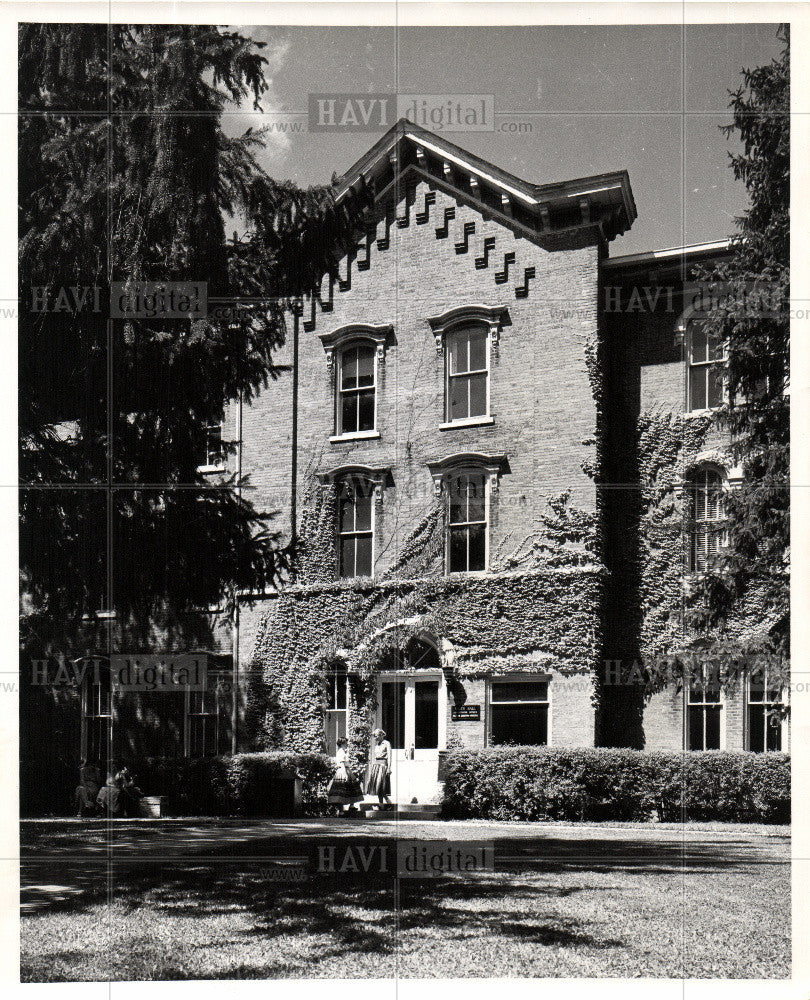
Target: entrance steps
<point>400,810</point>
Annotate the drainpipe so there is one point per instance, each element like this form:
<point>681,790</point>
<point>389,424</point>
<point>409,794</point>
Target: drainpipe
<point>297,310</point>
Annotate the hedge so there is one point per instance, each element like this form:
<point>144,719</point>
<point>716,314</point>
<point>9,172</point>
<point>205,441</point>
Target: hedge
<point>247,784</point>
<point>530,783</point>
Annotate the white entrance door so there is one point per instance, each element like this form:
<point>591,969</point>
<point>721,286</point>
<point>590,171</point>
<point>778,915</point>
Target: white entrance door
<point>412,709</point>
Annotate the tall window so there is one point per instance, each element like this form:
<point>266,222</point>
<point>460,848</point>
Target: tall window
<point>211,450</point>
<point>518,712</point>
<point>202,722</point>
<point>765,712</point>
<point>703,715</point>
<point>97,714</point>
<point>355,528</point>
<point>705,536</point>
<point>356,403</point>
<point>467,373</point>
<point>705,387</point>
<point>337,707</point>
<point>467,524</point>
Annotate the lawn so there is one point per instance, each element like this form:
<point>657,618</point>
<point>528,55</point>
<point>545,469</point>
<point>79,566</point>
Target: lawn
<point>552,908</point>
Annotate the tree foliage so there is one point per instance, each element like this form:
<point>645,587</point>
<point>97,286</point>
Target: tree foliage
<point>749,315</point>
<point>127,175</point>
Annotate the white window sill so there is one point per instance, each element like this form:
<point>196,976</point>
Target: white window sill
<point>462,574</point>
<point>707,412</point>
<point>208,470</point>
<point>359,436</point>
<point>467,422</point>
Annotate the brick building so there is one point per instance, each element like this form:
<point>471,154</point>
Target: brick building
<point>493,447</point>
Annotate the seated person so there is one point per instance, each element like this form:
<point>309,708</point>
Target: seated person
<point>132,794</point>
<point>111,800</point>
<point>84,798</point>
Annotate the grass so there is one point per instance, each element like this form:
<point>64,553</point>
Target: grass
<point>589,908</point>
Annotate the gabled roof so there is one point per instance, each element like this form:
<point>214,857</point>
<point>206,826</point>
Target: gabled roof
<point>604,201</point>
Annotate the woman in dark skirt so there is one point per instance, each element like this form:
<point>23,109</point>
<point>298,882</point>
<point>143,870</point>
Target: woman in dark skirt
<point>379,777</point>
<point>344,789</point>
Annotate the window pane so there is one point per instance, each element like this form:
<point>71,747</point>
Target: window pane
<point>347,512</point>
<point>365,366</point>
<point>519,724</point>
<point>347,548</point>
<point>478,395</point>
<point>339,685</point>
<point>348,368</point>
<point>773,732</point>
<point>426,715</point>
<point>699,342</point>
<point>366,410</point>
<point>697,388</point>
<point>457,555</point>
<point>478,349</point>
<point>756,728</point>
<point>392,713</point>
<point>348,415</point>
<point>714,377</point>
<point>458,390</point>
<point>714,349</point>
<point>475,498</point>
<point>478,551</point>
<point>459,353</point>
<point>696,728</point>
<point>363,507</point>
<point>520,691</point>
<point>458,499</point>
<point>363,564</point>
<point>713,728</point>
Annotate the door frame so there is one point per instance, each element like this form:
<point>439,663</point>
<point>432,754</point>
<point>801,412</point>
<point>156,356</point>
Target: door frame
<point>409,679</point>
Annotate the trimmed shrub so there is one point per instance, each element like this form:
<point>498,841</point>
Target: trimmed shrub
<point>247,784</point>
<point>538,783</point>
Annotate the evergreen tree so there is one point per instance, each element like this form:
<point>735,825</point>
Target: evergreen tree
<point>750,316</point>
<point>126,175</point>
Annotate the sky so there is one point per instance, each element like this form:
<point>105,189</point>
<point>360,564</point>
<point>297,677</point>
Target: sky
<point>650,99</point>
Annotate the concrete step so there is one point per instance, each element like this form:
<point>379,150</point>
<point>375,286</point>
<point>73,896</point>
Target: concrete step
<point>401,811</point>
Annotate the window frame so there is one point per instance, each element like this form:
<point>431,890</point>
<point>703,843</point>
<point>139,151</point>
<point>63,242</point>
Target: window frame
<point>691,702</point>
<point>692,533</point>
<point>211,467</point>
<point>190,715</point>
<point>354,481</point>
<point>524,678</point>
<point>451,479</point>
<point>707,365</point>
<point>765,704</point>
<point>456,330</point>
<point>336,677</point>
<point>354,345</point>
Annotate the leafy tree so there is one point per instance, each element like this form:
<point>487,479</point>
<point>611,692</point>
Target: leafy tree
<point>750,316</point>
<point>126,175</point>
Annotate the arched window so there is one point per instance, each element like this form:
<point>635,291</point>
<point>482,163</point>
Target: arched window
<point>467,373</point>
<point>356,389</point>
<point>706,526</point>
<point>355,527</point>
<point>705,368</point>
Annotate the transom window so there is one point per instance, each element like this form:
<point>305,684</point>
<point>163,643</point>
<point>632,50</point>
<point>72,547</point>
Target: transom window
<point>467,523</point>
<point>518,712</point>
<point>765,712</point>
<point>703,715</point>
<point>467,373</point>
<point>357,390</point>
<point>706,529</point>
<point>705,388</point>
<point>355,527</point>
